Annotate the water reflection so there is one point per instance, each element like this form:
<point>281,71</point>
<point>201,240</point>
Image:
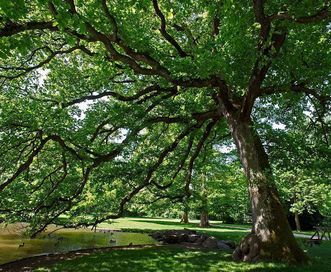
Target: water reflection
<point>14,245</point>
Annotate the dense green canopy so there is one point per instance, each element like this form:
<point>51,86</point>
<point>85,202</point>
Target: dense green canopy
<point>103,100</point>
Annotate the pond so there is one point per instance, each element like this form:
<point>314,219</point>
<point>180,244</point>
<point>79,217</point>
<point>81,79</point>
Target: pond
<point>14,245</point>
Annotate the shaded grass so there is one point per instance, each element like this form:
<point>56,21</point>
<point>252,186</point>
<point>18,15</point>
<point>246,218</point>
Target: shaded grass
<point>179,259</point>
<point>172,258</point>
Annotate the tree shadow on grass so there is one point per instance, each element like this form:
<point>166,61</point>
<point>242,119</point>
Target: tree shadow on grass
<point>234,236</point>
<point>188,225</point>
<point>171,259</point>
<point>231,234</point>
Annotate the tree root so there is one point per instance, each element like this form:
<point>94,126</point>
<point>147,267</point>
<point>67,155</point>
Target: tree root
<point>252,249</point>
<point>248,250</point>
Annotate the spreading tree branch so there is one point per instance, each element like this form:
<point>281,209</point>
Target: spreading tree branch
<point>319,16</point>
<point>164,32</point>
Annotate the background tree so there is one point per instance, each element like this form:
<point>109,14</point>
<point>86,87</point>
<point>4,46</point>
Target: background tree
<point>300,152</point>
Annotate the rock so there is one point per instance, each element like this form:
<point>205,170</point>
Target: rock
<point>229,243</point>
<point>171,239</point>
<point>193,238</point>
<point>201,239</point>
<point>183,237</point>
<point>157,235</point>
<point>191,245</point>
<point>223,246</point>
<point>210,243</point>
<point>173,236</point>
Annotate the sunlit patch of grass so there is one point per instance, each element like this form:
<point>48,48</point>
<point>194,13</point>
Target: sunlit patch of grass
<point>217,229</point>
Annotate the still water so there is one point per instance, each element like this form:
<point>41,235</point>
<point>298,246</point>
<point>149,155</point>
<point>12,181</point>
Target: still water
<point>15,245</point>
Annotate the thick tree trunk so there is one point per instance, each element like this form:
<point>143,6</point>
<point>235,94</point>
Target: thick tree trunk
<point>204,221</point>
<point>184,218</point>
<point>297,221</point>
<point>271,236</point>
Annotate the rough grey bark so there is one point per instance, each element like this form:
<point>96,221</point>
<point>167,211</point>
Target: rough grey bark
<point>271,236</point>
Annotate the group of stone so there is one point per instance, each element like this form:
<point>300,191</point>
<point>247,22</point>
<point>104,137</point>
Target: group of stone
<point>192,238</point>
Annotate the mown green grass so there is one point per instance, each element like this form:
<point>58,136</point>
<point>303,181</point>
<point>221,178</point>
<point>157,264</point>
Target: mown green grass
<point>151,224</point>
<point>172,258</point>
<point>161,223</point>
<point>180,259</point>
<point>220,231</point>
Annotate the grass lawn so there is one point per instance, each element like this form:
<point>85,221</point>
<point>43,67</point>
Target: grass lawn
<point>160,223</point>
<point>219,230</point>
<point>171,258</point>
<point>178,259</point>
<point>149,224</point>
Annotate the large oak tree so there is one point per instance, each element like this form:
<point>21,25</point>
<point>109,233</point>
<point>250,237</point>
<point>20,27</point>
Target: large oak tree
<point>163,79</point>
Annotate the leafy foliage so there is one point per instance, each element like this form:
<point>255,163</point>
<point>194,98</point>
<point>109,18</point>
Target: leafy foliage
<point>105,100</point>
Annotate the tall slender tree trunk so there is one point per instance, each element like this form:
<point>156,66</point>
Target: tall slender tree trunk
<point>184,218</point>
<point>204,221</point>
<point>297,221</point>
<point>271,236</point>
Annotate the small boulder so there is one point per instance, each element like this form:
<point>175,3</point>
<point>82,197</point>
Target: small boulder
<point>183,237</point>
<point>193,238</point>
<point>223,246</point>
<point>171,239</point>
<point>201,239</point>
<point>157,235</point>
<point>229,243</point>
<point>210,243</point>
